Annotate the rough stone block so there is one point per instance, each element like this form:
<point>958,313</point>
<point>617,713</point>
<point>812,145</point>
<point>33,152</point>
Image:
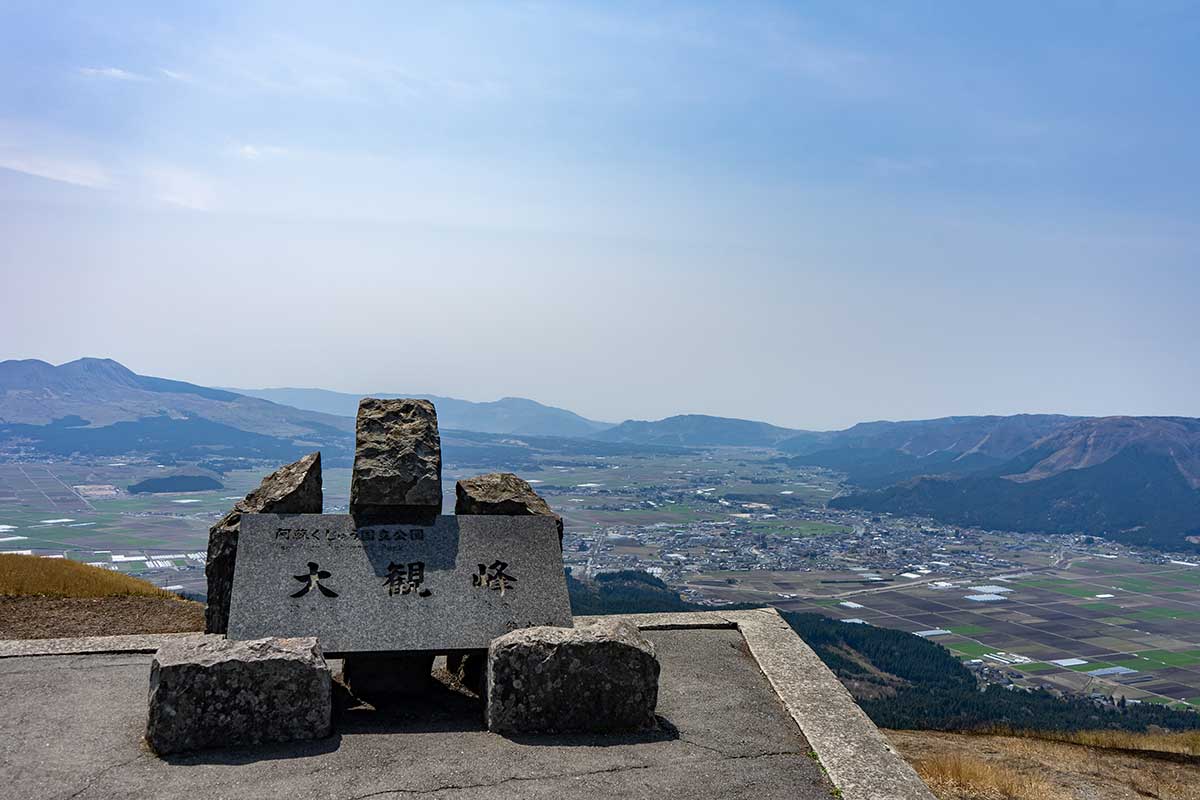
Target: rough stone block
<point>397,460</point>
<point>207,691</point>
<point>504,494</point>
<point>600,678</point>
<point>293,489</point>
<point>387,679</point>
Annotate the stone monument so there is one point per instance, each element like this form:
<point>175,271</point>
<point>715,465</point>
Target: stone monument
<point>395,583</point>
<point>387,588</point>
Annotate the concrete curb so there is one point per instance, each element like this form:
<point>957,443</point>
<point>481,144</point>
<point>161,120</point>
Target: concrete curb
<point>139,643</point>
<point>858,758</point>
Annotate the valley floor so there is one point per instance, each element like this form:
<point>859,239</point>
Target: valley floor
<point>980,767</point>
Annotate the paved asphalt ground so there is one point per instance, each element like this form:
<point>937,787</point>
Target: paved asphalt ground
<point>72,727</point>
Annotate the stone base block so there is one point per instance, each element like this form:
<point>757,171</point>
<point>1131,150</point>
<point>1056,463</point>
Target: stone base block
<point>207,691</point>
<point>600,678</point>
<point>388,679</point>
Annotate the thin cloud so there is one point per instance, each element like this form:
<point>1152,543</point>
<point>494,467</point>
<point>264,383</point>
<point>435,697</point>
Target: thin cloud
<point>111,73</point>
<point>77,173</point>
<point>252,152</point>
<point>179,187</point>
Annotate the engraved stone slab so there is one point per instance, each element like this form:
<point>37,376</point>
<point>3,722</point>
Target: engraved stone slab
<point>453,585</point>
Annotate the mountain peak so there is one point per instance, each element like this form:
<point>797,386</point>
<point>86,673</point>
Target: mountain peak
<point>100,369</point>
<point>698,430</point>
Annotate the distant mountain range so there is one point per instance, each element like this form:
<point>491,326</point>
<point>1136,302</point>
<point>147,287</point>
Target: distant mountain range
<point>508,415</point>
<point>99,407</point>
<point>1136,479</point>
<point>877,454</point>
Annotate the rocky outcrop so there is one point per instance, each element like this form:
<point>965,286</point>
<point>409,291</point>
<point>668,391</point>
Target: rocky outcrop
<point>208,691</point>
<point>600,678</point>
<point>397,460</point>
<point>294,489</point>
<point>504,494</point>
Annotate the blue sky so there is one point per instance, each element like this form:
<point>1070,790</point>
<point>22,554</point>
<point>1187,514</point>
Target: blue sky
<point>810,213</point>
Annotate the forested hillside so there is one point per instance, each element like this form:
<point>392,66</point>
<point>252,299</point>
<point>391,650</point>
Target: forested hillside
<point>903,681</point>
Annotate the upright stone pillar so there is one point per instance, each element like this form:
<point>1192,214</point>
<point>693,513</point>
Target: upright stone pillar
<point>397,461</point>
<point>397,479</point>
<point>293,489</point>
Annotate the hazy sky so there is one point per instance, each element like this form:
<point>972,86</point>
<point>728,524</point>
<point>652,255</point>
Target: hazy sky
<point>808,213</point>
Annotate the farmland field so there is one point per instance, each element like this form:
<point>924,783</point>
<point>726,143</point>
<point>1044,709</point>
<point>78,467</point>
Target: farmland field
<point>161,537</point>
<point>1105,613</point>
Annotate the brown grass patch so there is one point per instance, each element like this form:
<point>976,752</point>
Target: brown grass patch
<point>26,576</point>
<point>61,617</point>
<point>954,776</point>
<point>1187,743</point>
<point>1066,769</point>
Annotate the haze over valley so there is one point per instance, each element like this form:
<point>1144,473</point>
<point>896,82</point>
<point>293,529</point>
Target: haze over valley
<point>1130,479</point>
<point>961,528</point>
<point>858,338</point>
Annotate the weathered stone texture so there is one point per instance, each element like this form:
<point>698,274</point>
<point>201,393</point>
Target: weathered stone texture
<point>397,460</point>
<point>208,691</point>
<point>293,489</point>
<point>501,493</point>
<point>401,586</point>
<point>600,678</point>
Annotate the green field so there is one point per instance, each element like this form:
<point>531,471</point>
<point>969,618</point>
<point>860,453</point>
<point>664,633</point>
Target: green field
<point>1183,658</point>
<point>968,630</point>
<point>971,648</point>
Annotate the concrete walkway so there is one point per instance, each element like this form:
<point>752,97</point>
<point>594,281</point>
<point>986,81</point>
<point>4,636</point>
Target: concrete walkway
<point>746,710</point>
<point>72,726</point>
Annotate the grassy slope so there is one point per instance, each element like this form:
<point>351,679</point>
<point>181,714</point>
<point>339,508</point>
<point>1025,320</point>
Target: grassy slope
<point>48,598</point>
<point>993,767</point>
<point>24,576</point>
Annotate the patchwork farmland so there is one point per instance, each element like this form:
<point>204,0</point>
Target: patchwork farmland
<point>85,513</point>
<point>1112,626</point>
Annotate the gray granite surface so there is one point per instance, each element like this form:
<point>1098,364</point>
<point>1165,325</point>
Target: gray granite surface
<point>208,691</point>
<point>598,677</point>
<point>452,585</point>
<point>291,489</point>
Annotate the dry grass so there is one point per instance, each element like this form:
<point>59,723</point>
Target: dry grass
<point>29,576</point>
<point>1094,766</point>
<point>1187,743</point>
<point>954,776</point>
